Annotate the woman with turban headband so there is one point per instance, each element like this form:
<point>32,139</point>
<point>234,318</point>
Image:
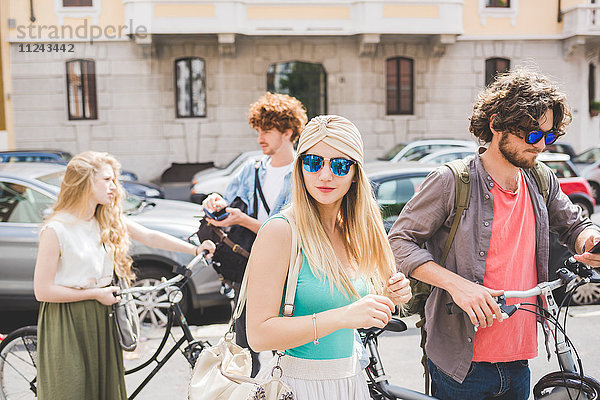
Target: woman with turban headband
<point>347,279</point>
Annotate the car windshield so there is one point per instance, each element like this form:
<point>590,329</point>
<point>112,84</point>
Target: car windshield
<point>130,203</point>
<point>561,169</point>
<point>588,157</point>
<point>54,179</point>
<point>392,152</point>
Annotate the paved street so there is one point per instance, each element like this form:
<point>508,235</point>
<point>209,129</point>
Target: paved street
<point>400,353</point>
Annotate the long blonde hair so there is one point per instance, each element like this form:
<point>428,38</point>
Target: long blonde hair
<point>359,218</point>
<point>74,198</point>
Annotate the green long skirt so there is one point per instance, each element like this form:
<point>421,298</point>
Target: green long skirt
<point>79,356</point>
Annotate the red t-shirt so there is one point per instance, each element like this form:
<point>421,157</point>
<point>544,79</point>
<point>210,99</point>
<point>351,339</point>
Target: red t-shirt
<point>510,265</point>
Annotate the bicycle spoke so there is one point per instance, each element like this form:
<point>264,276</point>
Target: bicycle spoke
<point>18,369</point>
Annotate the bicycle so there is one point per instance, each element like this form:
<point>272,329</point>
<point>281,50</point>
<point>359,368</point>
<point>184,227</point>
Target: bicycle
<point>377,380</point>
<point>18,351</point>
<point>570,382</point>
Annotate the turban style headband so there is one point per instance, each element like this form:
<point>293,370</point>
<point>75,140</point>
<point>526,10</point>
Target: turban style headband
<point>335,131</point>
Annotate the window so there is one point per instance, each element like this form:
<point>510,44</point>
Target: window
<point>21,204</point>
<point>81,89</point>
<point>305,81</point>
<point>591,85</point>
<point>497,3</point>
<point>190,88</point>
<point>78,3</point>
<point>495,66</point>
<point>399,86</point>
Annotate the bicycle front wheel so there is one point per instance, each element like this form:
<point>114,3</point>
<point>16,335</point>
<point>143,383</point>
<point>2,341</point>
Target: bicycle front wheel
<point>18,364</point>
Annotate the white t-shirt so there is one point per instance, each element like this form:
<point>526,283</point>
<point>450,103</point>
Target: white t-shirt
<point>83,263</point>
<point>271,186</point>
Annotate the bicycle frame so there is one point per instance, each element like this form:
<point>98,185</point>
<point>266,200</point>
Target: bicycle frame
<point>193,348</point>
<point>378,380</point>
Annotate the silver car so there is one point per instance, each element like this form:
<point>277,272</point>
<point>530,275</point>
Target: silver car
<point>27,193</point>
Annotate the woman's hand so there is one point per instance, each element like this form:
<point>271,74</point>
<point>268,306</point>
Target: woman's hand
<point>370,311</point>
<point>106,295</point>
<point>399,288</point>
<point>207,245</point>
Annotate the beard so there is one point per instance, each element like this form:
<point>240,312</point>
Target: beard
<point>514,156</point>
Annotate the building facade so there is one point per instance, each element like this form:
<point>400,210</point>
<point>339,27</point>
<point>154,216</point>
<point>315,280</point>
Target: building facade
<point>162,81</point>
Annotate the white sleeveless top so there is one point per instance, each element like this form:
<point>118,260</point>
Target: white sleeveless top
<point>83,263</point>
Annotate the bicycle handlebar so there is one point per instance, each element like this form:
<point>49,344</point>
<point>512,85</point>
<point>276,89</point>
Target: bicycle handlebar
<point>182,272</point>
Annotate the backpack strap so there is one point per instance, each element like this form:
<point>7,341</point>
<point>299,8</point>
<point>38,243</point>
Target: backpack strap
<point>541,178</point>
<point>462,197</point>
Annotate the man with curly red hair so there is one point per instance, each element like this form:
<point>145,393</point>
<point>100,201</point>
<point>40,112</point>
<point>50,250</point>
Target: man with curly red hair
<point>278,120</point>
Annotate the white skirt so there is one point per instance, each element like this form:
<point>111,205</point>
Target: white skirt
<point>340,379</point>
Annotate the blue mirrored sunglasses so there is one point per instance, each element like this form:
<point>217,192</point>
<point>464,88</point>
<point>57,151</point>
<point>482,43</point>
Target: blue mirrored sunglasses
<point>339,166</point>
<point>535,136</point>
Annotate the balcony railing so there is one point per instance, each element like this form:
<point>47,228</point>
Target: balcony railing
<point>296,17</point>
<point>582,20</point>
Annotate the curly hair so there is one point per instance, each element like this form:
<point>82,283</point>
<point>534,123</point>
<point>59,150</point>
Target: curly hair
<point>279,111</point>
<point>517,100</point>
<point>74,197</point>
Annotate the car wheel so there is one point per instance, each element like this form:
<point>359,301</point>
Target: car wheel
<point>595,190</point>
<point>586,294</point>
<point>153,307</point>
<point>585,207</point>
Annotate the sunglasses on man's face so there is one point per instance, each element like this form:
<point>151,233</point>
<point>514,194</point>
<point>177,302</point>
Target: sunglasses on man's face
<point>535,136</point>
<point>339,166</point>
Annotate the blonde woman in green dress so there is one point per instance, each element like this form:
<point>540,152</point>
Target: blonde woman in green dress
<point>348,278</point>
<point>82,244</point>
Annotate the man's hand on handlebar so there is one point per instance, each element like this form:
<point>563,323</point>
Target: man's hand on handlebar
<point>477,301</point>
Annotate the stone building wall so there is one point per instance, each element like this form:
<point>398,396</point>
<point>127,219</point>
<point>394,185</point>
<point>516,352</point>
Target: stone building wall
<point>136,100</point>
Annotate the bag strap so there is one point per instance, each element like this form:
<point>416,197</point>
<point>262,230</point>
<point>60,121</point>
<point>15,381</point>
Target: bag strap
<point>258,188</point>
<point>236,248</point>
<point>292,278</point>
<point>462,197</point>
<point>541,178</point>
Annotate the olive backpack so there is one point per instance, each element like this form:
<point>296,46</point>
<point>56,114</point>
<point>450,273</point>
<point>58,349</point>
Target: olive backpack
<point>422,290</point>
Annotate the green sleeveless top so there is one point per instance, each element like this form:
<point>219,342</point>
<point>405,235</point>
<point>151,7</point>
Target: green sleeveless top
<point>314,295</point>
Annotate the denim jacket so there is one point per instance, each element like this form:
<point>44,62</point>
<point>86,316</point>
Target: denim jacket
<point>243,186</point>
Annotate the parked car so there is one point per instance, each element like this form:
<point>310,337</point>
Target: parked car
<point>216,179</point>
<point>144,190</point>
<point>27,193</point>
<point>128,178</point>
<point>591,172</point>
<point>571,183</point>
<point>587,158</point>
<point>561,147</point>
<point>395,183</point>
<point>413,151</point>
<point>446,155</point>
<point>49,156</point>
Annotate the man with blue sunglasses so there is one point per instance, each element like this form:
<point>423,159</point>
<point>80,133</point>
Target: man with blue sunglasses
<point>501,241</point>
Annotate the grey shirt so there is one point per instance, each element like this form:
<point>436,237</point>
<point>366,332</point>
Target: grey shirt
<point>426,219</point>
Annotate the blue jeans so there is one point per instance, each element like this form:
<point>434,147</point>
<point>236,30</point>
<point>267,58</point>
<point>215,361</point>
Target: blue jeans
<point>505,380</point>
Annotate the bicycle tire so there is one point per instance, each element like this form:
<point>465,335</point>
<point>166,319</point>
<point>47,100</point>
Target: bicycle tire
<point>18,364</point>
<point>589,387</point>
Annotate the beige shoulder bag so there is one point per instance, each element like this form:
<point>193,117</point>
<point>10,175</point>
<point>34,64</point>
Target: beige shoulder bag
<point>222,372</point>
